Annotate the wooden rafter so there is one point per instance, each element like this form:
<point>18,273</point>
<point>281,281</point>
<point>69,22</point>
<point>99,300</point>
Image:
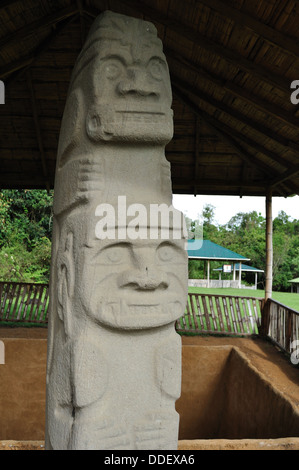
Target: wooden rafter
<point>217,183</point>
<point>6,3</point>
<point>237,133</point>
<point>245,19</point>
<point>265,106</point>
<point>15,65</point>
<point>232,132</point>
<point>244,155</point>
<point>221,130</point>
<point>233,57</point>
<point>218,105</point>
<point>233,112</point>
<point>285,176</point>
<point>38,130</point>
<point>197,154</point>
<point>22,64</point>
<point>33,27</point>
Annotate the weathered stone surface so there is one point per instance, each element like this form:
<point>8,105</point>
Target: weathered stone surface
<point>119,271</point>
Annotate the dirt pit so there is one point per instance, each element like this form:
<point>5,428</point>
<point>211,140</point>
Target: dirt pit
<point>237,394</point>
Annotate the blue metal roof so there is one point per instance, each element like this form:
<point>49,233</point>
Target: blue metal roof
<point>205,249</point>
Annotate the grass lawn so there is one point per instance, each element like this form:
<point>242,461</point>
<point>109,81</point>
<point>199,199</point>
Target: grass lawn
<point>286,298</point>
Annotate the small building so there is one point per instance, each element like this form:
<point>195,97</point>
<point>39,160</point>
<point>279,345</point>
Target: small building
<point>244,268</point>
<point>295,285</point>
<point>209,251</point>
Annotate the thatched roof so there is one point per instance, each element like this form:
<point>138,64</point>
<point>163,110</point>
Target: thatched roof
<point>232,63</point>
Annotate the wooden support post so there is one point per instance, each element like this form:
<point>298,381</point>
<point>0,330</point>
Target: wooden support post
<point>208,273</point>
<point>240,275</point>
<point>269,245</point>
<point>196,161</point>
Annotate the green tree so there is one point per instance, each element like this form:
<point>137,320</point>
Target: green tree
<point>25,235</point>
<point>246,234</point>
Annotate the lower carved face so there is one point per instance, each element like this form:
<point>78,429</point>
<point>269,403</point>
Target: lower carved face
<point>135,285</point>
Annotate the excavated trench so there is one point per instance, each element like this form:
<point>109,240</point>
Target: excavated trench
<point>225,397</point>
<point>235,394</point>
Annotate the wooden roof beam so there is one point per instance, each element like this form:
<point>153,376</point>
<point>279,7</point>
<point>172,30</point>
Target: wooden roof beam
<point>232,132</point>
<point>16,65</point>
<point>265,106</point>
<point>37,130</point>
<point>216,183</point>
<point>267,32</point>
<point>233,57</point>
<point>6,3</point>
<point>250,159</point>
<point>218,105</point>
<point>22,64</point>
<point>33,27</point>
<point>256,126</point>
<point>285,176</point>
<point>214,125</point>
<point>197,154</point>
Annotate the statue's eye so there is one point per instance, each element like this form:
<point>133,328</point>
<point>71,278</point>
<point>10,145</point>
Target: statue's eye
<point>114,255</point>
<point>166,253</point>
<point>112,70</point>
<point>156,68</point>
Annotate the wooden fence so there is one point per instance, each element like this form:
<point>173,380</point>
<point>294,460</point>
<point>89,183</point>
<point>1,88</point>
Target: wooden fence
<point>205,313</point>
<point>24,302</point>
<point>221,314</point>
<point>281,324</point>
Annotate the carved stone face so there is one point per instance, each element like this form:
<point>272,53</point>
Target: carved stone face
<point>130,83</point>
<point>134,285</point>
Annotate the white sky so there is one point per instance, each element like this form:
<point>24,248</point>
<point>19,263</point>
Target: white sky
<point>228,206</point>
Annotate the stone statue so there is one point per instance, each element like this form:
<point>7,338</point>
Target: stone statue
<point>119,267</point>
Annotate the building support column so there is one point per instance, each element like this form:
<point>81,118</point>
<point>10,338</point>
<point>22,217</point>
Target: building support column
<point>269,266</point>
<point>269,246</point>
<point>240,275</point>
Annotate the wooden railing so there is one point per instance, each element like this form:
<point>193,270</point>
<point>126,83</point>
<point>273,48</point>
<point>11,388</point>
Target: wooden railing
<point>221,314</point>
<point>24,302</point>
<point>281,324</point>
<point>205,313</point>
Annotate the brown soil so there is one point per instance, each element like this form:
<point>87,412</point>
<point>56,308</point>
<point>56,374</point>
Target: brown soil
<point>270,362</point>
<point>264,356</point>
<point>29,333</point>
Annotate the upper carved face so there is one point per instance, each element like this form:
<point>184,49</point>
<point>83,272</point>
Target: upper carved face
<point>128,80</point>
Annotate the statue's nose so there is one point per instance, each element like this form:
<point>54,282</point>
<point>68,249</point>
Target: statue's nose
<point>144,279</point>
<point>137,83</point>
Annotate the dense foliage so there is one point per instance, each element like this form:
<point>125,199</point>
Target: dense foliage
<point>26,226</point>
<point>25,235</point>
<point>245,234</point>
